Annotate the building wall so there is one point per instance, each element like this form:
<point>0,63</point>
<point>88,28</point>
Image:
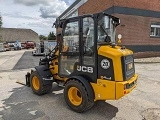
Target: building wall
<point>136,17</point>
<point>141,4</point>
<point>94,6</point>
<point>136,30</point>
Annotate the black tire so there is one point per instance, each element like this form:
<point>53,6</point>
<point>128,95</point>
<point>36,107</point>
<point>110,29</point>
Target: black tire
<point>84,103</point>
<point>39,88</point>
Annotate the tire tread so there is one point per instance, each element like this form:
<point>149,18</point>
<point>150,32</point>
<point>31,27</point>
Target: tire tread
<point>44,89</point>
<point>89,103</point>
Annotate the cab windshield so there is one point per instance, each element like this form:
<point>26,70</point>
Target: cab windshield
<point>106,30</point>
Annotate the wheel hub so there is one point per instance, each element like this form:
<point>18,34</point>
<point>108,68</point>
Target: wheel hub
<point>35,83</point>
<point>75,96</point>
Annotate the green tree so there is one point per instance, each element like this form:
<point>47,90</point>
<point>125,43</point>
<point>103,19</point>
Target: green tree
<point>0,21</point>
<point>42,37</point>
<point>51,36</point>
<point>1,28</point>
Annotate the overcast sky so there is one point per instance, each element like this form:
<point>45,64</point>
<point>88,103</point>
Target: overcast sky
<point>37,15</point>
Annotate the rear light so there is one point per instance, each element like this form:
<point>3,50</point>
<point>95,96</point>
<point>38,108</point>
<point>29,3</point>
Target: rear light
<point>125,86</point>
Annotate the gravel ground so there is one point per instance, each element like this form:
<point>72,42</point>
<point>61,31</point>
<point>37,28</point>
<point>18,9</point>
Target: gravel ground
<point>148,60</point>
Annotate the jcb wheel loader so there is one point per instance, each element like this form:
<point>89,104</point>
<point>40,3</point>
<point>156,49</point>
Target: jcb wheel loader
<point>87,62</point>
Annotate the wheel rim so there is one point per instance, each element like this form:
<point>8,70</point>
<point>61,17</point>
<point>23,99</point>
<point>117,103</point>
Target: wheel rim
<point>35,83</point>
<point>75,96</point>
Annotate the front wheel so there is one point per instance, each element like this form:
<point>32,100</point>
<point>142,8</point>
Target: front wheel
<point>76,96</point>
<point>37,85</point>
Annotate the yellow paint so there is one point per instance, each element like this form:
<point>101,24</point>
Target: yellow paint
<point>104,89</point>
<point>74,96</point>
<point>115,54</point>
<point>35,83</point>
<point>55,70</point>
<point>111,90</point>
<point>119,41</point>
<point>120,87</point>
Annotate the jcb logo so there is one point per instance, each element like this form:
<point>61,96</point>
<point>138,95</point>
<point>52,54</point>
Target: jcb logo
<point>85,69</point>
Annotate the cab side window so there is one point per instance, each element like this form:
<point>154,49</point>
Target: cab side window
<point>71,37</point>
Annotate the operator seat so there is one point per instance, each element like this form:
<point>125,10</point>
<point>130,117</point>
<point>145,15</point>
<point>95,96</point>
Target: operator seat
<point>65,48</point>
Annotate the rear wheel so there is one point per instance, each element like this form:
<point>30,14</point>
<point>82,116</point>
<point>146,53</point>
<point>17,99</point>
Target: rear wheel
<point>37,84</point>
<point>76,96</point>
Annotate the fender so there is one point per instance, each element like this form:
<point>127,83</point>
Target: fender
<point>44,74</point>
<point>86,84</point>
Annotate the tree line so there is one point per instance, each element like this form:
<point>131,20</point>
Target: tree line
<point>0,28</point>
<point>0,21</point>
<point>51,36</point>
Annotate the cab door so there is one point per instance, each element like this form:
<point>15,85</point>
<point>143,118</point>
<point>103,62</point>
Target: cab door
<point>78,51</point>
<point>89,51</point>
<point>69,49</point>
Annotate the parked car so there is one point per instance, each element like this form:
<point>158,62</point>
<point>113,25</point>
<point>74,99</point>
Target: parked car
<point>17,46</point>
<point>11,45</point>
<point>29,44</point>
<point>6,46</point>
<point>23,45</point>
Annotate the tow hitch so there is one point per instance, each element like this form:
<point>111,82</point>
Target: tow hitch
<point>28,79</point>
